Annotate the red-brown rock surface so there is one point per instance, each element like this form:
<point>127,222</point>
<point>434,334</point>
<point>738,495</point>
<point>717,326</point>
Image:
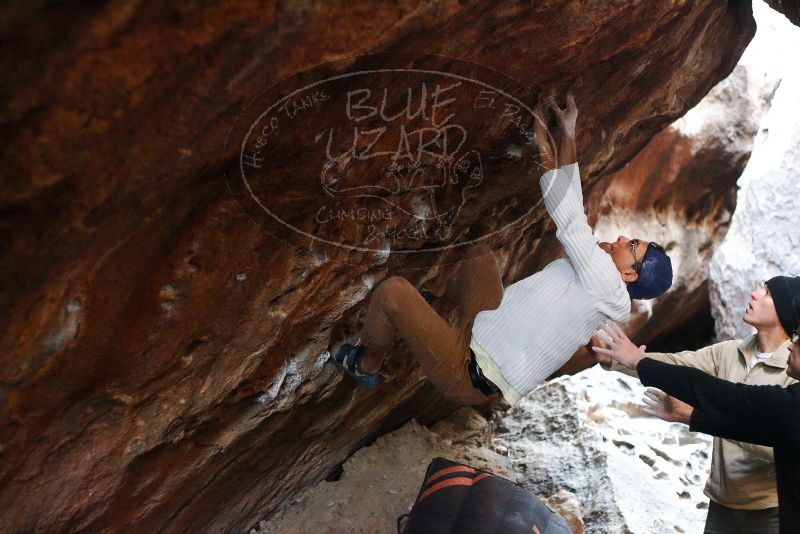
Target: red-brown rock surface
<point>160,353</point>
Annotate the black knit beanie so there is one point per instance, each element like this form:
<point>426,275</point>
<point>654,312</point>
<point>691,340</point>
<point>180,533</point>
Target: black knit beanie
<point>785,291</point>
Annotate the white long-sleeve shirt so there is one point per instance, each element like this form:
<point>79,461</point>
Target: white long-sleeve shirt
<point>544,318</point>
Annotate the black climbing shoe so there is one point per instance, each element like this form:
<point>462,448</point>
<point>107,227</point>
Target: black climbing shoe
<point>348,359</point>
<point>428,296</point>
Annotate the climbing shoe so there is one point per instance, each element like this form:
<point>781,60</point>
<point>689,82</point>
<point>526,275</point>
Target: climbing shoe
<point>428,296</point>
<point>348,358</point>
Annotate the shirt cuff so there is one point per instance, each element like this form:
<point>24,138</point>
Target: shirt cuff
<point>570,169</point>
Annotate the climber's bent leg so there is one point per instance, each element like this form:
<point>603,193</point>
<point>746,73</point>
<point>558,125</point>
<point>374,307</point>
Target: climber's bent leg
<point>441,350</point>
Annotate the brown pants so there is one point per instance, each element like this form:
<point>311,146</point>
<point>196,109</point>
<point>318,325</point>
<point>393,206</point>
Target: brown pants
<point>442,350</point>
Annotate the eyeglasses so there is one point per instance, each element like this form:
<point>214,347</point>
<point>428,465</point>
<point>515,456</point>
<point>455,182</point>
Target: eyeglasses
<point>634,244</point>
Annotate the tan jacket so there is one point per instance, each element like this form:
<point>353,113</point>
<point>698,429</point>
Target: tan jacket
<point>742,475</point>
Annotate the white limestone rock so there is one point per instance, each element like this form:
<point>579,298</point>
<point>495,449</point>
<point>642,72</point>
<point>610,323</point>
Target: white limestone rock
<point>631,473</point>
<point>763,239</point>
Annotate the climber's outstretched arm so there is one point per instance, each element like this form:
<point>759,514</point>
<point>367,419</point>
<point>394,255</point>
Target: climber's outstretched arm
<point>561,150</point>
<point>563,199</point>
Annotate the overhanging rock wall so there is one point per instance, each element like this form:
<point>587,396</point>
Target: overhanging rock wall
<point>160,354</point>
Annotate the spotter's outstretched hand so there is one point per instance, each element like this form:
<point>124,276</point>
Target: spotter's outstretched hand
<point>595,342</point>
<point>619,346</point>
<point>659,404</point>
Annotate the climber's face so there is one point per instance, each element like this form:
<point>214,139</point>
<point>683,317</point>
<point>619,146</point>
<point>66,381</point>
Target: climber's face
<point>627,254</point>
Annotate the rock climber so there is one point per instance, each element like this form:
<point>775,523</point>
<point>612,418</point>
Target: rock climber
<point>506,341</point>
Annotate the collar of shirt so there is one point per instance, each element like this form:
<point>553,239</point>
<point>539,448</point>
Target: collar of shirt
<point>779,358</point>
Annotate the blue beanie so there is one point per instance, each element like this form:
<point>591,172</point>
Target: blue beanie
<point>655,274</point>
